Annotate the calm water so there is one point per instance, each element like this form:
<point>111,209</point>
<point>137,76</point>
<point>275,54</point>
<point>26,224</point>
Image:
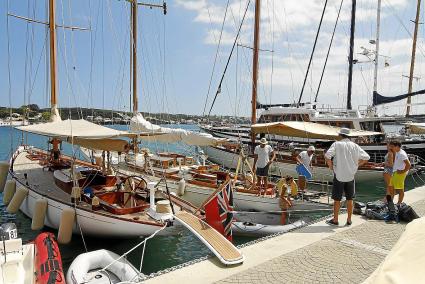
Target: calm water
<point>161,252</point>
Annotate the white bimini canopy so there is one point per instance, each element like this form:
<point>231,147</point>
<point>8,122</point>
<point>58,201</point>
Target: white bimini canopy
<point>152,132</point>
<point>66,129</point>
<point>303,129</point>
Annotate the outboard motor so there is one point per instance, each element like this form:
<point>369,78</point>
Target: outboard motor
<point>8,231</point>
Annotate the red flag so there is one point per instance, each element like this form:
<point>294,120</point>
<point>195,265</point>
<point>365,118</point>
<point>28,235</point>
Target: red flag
<point>219,211</point>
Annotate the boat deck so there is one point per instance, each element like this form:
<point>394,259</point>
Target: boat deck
<point>220,244</point>
<point>41,180</point>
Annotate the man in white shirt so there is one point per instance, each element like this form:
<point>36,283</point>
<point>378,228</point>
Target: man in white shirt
<point>344,158</point>
<point>262,162</point>
<point>401,167</point>
<point>304,158</point>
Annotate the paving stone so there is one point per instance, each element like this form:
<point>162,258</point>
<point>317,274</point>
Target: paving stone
<point>346,257</point>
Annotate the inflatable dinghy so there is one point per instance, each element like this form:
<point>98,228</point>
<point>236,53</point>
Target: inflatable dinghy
<point>88,268</point>
<point>258,230</point>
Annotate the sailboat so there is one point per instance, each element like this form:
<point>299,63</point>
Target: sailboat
<point>178,173</point>
<point>75,196</point>
<point>302,124</point>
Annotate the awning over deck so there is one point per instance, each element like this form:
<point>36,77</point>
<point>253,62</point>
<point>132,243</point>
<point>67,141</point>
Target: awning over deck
<point>302,129</point>
<point>66,129</point>
<point>416,128</point>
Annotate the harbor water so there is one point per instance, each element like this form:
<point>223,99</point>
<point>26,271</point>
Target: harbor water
<point>162,251</point>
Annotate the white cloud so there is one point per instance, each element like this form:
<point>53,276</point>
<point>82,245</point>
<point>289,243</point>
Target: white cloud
<point>291,26</point>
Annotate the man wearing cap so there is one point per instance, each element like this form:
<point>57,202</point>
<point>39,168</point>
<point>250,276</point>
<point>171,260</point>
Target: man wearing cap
<point>304,158</point>
<point>262,162</point>
<point>344,158</point>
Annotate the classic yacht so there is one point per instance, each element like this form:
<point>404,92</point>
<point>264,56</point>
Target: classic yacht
<point>353,119</point>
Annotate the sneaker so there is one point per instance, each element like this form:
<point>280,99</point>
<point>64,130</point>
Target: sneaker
<point>331,222</point>
<point>348,223</point>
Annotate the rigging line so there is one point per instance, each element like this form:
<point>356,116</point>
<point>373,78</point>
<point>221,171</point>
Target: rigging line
<point>230,56</point>
<point>312,52</point>
<point>26,59</point>
<point>403,25</point>
<point>74,61</point>
<point>216,56</point>
<point>328,52</point>
<point>44,49</point>
<point>65,59</point>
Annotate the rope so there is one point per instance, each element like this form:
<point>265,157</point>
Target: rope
<point>329,50</point>
<point>230,56</point>
<point>312,52</point>
<point>216,56</point>
<point>132,249</point>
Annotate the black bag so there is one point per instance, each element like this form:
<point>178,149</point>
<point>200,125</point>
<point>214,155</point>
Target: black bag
<point>376,205</point>
<point>376,215</point>
<point>406,213</point>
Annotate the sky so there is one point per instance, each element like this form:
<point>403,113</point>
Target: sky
<point>181,63</point>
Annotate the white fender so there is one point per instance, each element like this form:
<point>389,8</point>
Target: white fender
<point>17,199</point>
<point>40,209</point>
<point>65,226</point>
<point>9,191</point>
<point>181,187</point>
<point>4,168</point>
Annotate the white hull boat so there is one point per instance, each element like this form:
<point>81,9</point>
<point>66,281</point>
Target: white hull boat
<point>230,160</point>
<point>40,184</point>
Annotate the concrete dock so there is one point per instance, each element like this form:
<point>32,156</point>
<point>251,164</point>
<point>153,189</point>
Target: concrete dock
<point>318,253</point>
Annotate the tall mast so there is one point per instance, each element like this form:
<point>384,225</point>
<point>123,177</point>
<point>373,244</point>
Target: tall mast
<point>350,59</point>
<point>255,67</point>
<point>412,62</point>
<point>378,29</point>
<point>53,66</point>
<point>134,53</point>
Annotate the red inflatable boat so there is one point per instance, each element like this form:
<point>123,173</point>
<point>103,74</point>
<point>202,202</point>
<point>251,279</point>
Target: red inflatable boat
<point>48,261</point>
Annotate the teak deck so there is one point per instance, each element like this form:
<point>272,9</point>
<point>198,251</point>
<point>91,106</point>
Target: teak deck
<point>220,246</point>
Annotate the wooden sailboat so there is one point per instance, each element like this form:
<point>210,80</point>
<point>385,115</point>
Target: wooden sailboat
<point>71,195</point>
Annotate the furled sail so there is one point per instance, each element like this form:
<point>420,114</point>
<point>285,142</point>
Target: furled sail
<point>156,133</point>
<point>379,99</point>
<point>303,129</point>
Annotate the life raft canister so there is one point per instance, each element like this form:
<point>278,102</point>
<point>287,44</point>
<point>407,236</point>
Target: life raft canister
<point>48,261</point>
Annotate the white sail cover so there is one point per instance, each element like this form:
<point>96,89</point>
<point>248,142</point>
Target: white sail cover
<point>65,129</point>
<point>156,133</point>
